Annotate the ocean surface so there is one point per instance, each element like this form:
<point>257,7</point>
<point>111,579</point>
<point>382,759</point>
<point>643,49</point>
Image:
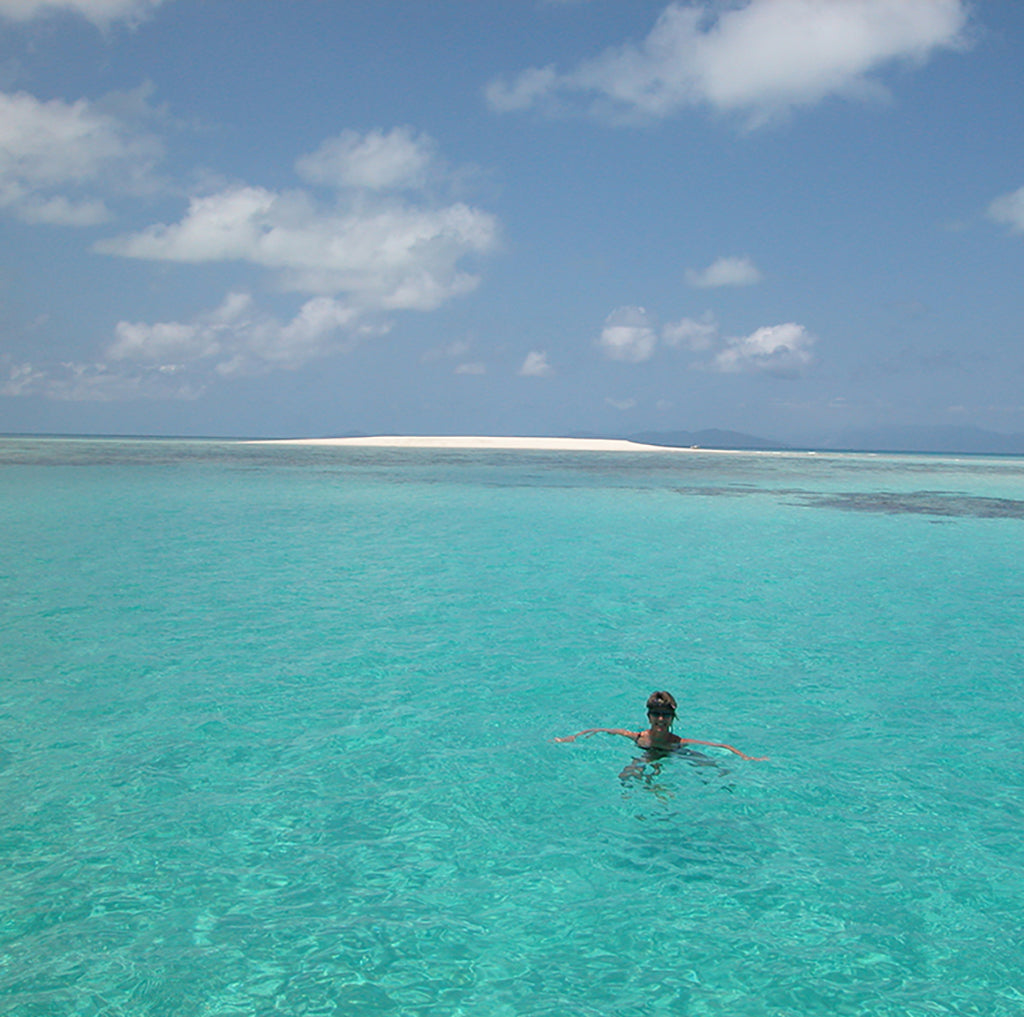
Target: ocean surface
<point>277,733</point>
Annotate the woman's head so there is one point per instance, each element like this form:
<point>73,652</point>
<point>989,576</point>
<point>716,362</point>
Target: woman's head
<point>661,704</point>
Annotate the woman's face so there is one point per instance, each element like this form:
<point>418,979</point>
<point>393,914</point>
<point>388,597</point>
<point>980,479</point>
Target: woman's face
<point>660,720</point>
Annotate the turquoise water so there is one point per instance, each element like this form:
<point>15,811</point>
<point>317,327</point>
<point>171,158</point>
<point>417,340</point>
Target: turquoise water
<point>276,732</point>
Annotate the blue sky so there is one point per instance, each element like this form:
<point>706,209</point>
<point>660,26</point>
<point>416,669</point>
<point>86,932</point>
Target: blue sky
<point>302,217</point>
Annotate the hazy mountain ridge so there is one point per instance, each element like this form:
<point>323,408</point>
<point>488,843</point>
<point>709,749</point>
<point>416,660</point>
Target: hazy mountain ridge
<point>910,438</point>
<point>708,438</point>
<point>913,438</point>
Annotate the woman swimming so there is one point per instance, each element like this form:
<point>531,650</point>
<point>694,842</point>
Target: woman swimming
<point>661,712</point>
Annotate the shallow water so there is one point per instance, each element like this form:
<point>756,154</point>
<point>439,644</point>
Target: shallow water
<point>277,732</point>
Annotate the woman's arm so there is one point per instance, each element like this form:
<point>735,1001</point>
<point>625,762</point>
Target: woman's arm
<point>603,730</point>
<point>719,745</point>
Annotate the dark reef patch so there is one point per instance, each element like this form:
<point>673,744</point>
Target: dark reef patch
<point>947,504</point>
<point>924,503</point>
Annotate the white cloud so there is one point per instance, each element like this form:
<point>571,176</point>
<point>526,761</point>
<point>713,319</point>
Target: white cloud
<point>380,251</point>
<point>370,250</point>
<point>760,58</point>
<point>1009,209</point>
<point>457,350</point>
<point>97,382</point>
<point>535,365</point>
<point>238,339</point>
<point>100,12</point>
<point>51,152</point>
<point>22,379</point>
<point>620,404</point>
<point>628,335</point>
<point>782,350</point>
<point>730,271</point>
<point>691,334</point>
<point>529,88</point>
<point>54,211</point>
<point>177,360</point>
<point>376,161</point>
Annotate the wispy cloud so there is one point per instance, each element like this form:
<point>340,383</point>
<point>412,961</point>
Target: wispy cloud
<point>730,271</point>
<point>629,335</point>
<point>99,12</point>
<point>178,359</point>
<point>760,59</point>
<point>239,339</point>
<point>59,159</point>
<point>1009,210</point>
<point>97,382</point>
<point>691,333</point>
<point>620,404</point>
<point>450,351</point>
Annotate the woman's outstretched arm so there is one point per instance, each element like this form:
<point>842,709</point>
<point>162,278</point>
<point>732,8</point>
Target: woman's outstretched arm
<point>719,745</point>
<point>602,730</point>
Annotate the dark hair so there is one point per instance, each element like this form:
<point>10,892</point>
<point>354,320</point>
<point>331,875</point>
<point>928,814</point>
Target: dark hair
<point>661,702</point>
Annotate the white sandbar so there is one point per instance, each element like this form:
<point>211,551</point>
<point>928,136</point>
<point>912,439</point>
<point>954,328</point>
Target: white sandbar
<point>485,442</point>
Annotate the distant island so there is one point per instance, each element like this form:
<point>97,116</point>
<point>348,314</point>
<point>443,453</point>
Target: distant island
<point>923,439</point>
<point>968,440</point>
<point>953,440</point>
<point>711,438</point>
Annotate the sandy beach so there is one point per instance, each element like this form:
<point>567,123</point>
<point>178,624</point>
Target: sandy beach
<point>486,442</point>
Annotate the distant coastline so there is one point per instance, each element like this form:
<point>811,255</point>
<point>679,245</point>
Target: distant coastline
<point>497,442</point>
<point>879,441</point>
<point>892,440</point>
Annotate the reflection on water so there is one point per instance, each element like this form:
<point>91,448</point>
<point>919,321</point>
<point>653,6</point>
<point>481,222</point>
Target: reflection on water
<point>663,773</point>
